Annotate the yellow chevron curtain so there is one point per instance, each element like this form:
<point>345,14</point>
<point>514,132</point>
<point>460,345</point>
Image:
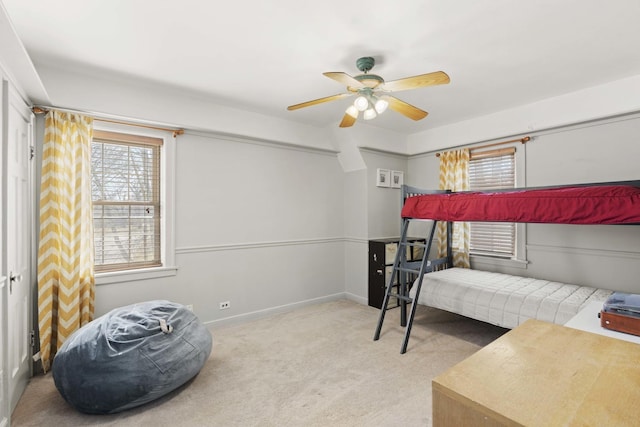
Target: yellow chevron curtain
<point>454,175</point>
<point>65,255</point>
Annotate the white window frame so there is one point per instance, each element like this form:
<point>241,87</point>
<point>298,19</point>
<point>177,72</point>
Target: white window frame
<point>519,259</point>
<point>167,207</point>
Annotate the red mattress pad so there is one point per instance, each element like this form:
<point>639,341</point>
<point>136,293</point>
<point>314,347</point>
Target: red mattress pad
<point>604,204</point>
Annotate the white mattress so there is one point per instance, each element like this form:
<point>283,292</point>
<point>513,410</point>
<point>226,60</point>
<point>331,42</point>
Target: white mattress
<point>502,299</point>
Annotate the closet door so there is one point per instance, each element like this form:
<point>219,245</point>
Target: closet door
<point>4,401</point>
<point>4,390</point>
<point>18,240</point>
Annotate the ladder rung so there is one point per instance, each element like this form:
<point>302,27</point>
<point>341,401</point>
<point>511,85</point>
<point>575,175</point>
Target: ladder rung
<point>400,297</point>
<point>413,244</point>
<point>408,270</point>
<point>414,264</point>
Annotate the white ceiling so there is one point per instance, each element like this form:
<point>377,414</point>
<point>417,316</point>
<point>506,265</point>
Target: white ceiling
<point>264,56</point>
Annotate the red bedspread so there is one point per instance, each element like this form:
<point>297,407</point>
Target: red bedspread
<point>604,204</point>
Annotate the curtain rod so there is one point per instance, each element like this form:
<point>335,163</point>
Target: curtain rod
<point>43,110</point>
<point>523,140</point>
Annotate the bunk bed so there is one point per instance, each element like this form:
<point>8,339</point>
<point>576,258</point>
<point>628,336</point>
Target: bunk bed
<point>583,204</point>
<point>502,299</point>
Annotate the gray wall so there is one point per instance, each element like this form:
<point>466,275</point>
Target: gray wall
<point>383,204</point>
<point>356,235</point>
<point>269,226</point>
<point>370,212</point>
<point>601,256</point>
<point>257,224</point>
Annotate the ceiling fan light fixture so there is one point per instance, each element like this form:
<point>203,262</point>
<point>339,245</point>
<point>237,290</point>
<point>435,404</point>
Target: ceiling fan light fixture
<point>370,93</point>
<point>361,103</point>
<point>370,114</point>
<point>352,111</point>
<point>381,105</point>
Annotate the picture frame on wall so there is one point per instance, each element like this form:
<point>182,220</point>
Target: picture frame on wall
<point>383,178</point>
<point>397,179</point>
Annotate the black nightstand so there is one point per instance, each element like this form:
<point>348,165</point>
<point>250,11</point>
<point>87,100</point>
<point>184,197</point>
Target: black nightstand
<point>382,253</point>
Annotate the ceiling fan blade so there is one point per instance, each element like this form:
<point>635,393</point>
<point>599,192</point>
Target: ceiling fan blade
<point>345,79</point>
<point>318,101</point>
<point>347,121</point>
<point>429,79</point>
<point>405,109</point>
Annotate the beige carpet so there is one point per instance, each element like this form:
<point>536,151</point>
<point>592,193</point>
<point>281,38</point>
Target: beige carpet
<point>315,366</point>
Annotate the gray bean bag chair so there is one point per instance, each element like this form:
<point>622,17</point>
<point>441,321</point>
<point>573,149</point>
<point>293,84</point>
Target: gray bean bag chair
<point>130,356</point>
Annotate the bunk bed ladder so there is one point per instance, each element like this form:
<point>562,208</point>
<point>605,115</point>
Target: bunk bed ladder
<point>401,269</point>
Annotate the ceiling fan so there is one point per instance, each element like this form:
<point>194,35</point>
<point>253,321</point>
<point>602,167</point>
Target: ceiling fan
<point>373,93</point>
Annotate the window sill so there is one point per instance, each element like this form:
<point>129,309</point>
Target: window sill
<point>500,262</point>
<point>134,275</point>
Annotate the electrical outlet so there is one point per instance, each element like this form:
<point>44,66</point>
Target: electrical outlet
<point>189,307</point>
<point>224,305</point>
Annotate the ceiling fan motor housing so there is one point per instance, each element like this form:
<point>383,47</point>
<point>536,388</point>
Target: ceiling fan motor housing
<point>365,64</point>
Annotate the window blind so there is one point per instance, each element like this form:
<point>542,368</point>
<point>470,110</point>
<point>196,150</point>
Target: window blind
<point>125,189</point>
<point>492,170</point>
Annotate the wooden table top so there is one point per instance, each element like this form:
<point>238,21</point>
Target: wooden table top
<point>541,374</point>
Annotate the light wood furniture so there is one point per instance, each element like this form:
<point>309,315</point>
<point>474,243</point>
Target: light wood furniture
<point>541,374</point>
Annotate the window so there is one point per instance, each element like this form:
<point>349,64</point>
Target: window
<point>492,170</point>
<point>126,201</point>
<point>133,186</point>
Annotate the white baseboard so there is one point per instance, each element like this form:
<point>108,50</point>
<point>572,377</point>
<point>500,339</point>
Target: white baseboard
<point>356,298</point>
<point>254,315</point>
